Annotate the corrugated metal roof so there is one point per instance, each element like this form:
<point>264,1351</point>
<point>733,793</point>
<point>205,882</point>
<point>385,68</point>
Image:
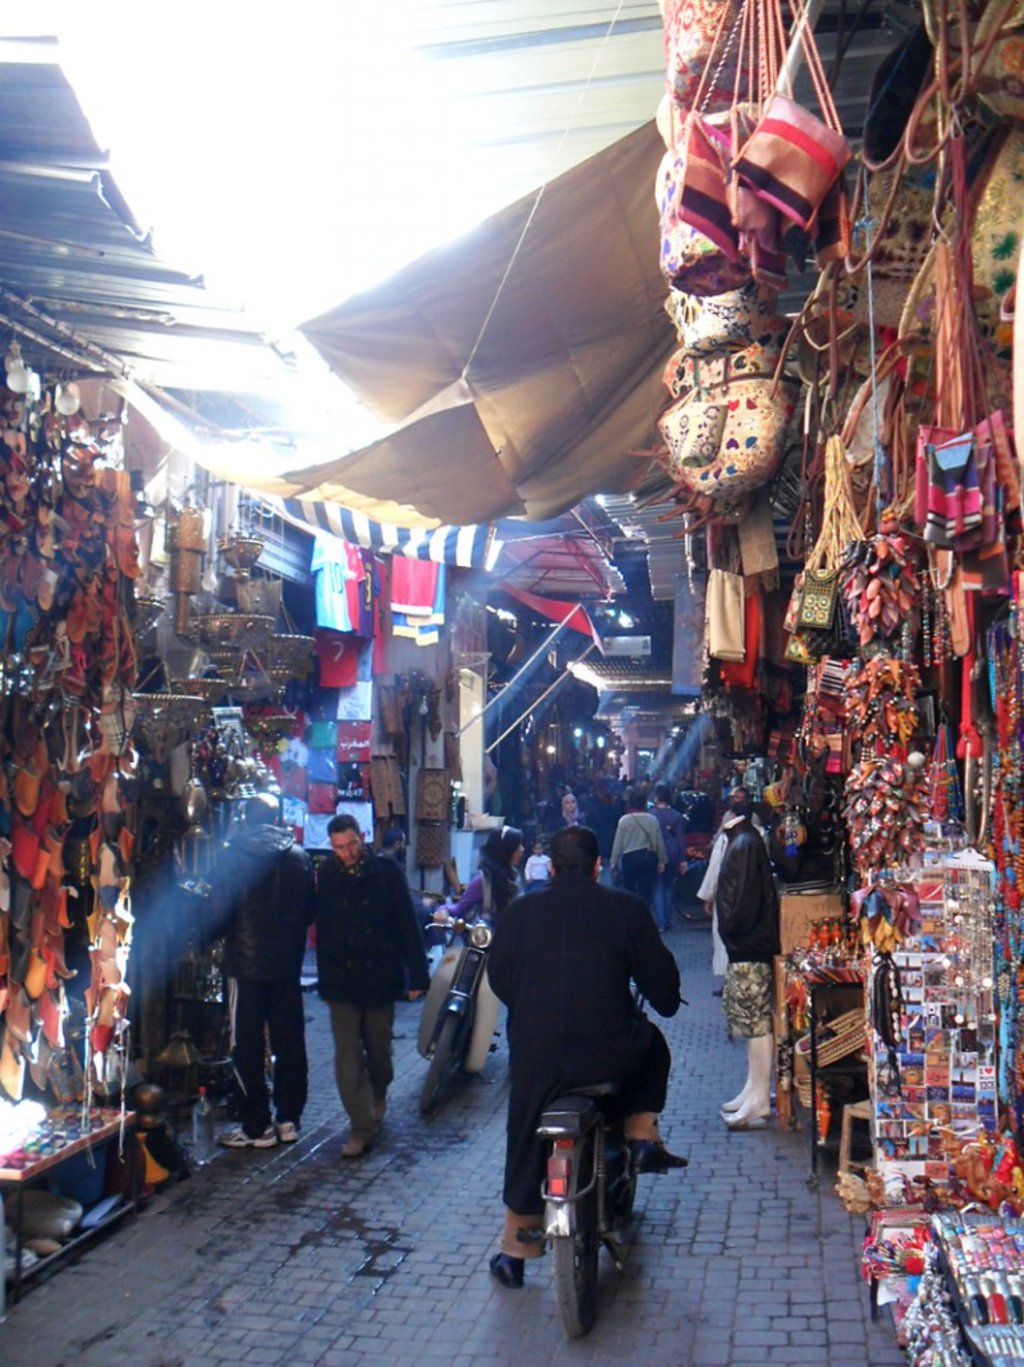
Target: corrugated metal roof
<point>537,87</point>
<point>79,275</point>
<point>544,85</point>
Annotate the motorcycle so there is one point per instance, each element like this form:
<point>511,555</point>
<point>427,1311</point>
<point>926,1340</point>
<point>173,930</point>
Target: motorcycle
<point>589,1191</point>
<point>460,1012</point>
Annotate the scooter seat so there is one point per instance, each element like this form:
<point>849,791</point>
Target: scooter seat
<point>572,1112</point>
<point>600,1091</point>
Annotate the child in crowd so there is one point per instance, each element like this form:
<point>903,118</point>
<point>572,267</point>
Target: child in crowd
<point>538,867</point>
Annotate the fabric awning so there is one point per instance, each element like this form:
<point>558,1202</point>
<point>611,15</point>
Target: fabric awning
<point>529,404</point>
<point>474,547</point>
<point>571,615</point>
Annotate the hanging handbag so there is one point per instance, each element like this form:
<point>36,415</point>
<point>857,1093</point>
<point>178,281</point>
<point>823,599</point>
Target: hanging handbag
<point>729,322</point>
<point>724,613</point>
<point>691,29</point>
<point>819,598</point>
<point>726,436</point>
<point>700,249</point>
<point>792,159</point>
<point>700,245</point>
<point>822,628</point>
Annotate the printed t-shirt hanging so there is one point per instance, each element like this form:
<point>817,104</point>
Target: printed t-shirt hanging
<point>339,572</point>
<point>338,656</point>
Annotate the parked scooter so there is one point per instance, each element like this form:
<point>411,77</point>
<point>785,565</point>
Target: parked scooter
<point>588,1194</point>
<point>460,1013</point>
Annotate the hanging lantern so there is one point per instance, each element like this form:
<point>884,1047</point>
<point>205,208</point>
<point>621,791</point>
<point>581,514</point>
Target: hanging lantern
<point>186,541</point>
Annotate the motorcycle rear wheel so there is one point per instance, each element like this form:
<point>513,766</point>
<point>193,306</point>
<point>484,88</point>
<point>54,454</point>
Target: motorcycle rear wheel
<point>575,1269</point>
<point>441,1066</point>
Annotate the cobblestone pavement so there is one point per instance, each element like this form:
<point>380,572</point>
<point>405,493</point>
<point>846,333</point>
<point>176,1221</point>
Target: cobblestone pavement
<point>294,1256</point>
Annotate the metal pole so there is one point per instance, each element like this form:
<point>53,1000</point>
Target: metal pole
<point>795,55</point>
<point>550,689</point>
<point>545,645</point>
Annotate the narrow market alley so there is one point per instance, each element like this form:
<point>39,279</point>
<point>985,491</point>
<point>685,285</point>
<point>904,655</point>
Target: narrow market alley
<point>294,1256</point>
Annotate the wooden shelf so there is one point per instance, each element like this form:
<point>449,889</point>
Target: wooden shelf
<point>102,1135</point>
<point>18,1179</point>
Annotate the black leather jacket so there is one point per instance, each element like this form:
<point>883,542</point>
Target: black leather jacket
<point>746,900</point>
<point>264,887</point>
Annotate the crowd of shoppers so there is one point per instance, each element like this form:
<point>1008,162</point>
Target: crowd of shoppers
<point>370,942</point>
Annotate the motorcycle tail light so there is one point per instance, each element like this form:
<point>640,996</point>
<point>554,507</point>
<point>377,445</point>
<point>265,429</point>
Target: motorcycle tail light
<point>559,1169</point>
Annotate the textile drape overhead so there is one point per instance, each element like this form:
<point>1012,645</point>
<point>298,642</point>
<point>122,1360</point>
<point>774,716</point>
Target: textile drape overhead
<point>565,382</point>
<point>470,547</point>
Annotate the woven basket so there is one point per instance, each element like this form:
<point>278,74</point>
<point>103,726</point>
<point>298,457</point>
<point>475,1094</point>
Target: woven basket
<point>802,1087</point>
<point>848,1034</point>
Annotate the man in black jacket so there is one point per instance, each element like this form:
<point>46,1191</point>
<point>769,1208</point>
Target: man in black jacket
<point>264,888</point>
<point>747,908</point>
<point>563,960</point>
<point>367,940</point>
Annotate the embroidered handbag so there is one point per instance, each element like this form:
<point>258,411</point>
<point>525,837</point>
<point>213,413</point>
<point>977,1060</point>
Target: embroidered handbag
<point>733,321</point>
<point>998,60</point>
<point>821,626</point>
<point>692,29</point>
<point>727,436</point>
<point>819,598</point>
<point>700,249</point>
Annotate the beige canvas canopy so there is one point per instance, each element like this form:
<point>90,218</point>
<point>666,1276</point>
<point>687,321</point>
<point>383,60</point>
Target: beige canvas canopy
<point>521,364</point>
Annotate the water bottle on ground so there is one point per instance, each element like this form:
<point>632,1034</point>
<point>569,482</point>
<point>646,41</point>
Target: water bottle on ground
<point>204,1142</point>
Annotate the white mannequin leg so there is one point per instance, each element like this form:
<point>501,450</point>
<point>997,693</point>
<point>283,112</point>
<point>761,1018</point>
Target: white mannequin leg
<point>757,1104</point>
<point>738,1100</point>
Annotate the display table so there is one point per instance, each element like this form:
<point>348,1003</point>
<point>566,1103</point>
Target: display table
<point>15,1180</point>
<point>979,1257</point>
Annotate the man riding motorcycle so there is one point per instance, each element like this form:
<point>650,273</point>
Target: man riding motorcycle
<point>563,960</point>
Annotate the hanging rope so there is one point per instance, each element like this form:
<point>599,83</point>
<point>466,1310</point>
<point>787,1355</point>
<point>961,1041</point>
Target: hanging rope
<point>540,193</point>
<point>839,524</point>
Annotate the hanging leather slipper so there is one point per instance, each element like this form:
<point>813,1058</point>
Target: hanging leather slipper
<point>12,1069</point>
<point>35,974</point>
<point>28,778</point>
<point>51,1019</point>
<point>19,1014</point>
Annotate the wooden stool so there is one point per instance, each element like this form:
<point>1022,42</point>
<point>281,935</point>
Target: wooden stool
<point>856,1110</point>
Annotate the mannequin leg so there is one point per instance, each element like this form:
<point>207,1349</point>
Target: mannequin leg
<point>737,1102</point>
<point>757,1104</point>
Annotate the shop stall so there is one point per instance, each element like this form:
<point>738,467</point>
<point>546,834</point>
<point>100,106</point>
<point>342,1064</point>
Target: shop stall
<point>842,456</point>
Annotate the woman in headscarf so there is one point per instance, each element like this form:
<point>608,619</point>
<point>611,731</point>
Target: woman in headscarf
<point>496,882</point>
<point>571,814</point>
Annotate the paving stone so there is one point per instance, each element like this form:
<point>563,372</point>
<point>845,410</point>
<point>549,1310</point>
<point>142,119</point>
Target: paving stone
<point>294,1256</point>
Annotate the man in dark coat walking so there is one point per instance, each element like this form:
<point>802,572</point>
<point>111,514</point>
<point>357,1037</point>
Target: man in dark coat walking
<point>368,945</point>
<point>563,960</point>
<point>264,891</point>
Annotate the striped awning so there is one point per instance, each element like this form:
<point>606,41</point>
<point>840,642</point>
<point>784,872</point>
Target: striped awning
<point>474,547</point>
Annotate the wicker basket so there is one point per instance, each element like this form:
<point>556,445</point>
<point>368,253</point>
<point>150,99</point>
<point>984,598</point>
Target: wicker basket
<point>848,1035</point>
<point>802,1087</point>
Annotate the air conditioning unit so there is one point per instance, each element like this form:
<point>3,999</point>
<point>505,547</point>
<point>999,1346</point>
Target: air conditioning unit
<point>626,645</point>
